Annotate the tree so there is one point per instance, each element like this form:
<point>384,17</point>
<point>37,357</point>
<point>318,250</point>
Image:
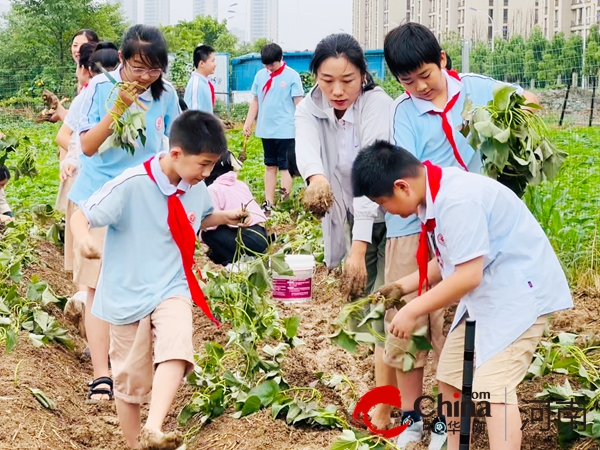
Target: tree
<point>186,35</point>
<point>43,29</point>
<point>254,47</point>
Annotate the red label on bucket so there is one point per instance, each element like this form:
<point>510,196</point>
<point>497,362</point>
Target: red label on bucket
<point>292,289</point>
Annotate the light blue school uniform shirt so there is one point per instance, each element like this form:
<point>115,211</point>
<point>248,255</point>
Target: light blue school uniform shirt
<point>141,263</point>
<point>198,95</point>
<point>100,168</point>
<point>476,216</point>
<point>421,133</point>
<point>276,110</point>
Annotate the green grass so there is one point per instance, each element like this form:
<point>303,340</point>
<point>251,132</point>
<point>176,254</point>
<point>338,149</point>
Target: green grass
<point>568,208</point>
<point>25,192</point>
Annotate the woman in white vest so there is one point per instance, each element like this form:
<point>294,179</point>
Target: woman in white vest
<point>344,112</point>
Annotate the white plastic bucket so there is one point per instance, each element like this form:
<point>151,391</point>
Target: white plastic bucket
<point>297,288</point>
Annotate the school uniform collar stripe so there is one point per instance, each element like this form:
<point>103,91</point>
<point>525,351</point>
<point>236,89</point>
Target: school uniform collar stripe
<point>162,181</point>
<point>425,106</point>
<point>199,76</point>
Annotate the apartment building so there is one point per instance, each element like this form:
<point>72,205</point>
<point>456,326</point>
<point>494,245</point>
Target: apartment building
<point>206,8</point>
<point>129,8</point>
<point>264,20</point>
<point>157,12</point>
<point>472,19</point>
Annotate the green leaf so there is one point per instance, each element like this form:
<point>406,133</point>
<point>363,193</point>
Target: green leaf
<point>259,277</point>
<point>503,135</point>
<point>251,405</point>
<point>376,313</point>
<point>266,392</point>
<point>346,441</point>
<point>291,326</point>
<point>345,341</point>
<point>37,340</point>
<point>422,343</point>
<point>42,398</point>
<point>293,412</point>
<point>502,96</point>
<point>11,340</point>
<point>3,308</point>
<point>15,272</point>
<point>279,265</point>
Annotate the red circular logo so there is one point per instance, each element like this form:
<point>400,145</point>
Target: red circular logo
<point>192,217</point>
<point>159,123</point>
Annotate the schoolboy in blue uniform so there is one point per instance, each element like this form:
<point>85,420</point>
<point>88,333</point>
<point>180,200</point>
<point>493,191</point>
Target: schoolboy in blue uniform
<point>199,91</point>
<point>426,121</point>
<point>492,257</point>
<point>276,90</point>
<point>153,213</point>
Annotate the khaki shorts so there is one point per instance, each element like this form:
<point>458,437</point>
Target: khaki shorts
<point>500,375</point>
<point>400,260</point>
<point>167,330</point>
<point>87,271</point>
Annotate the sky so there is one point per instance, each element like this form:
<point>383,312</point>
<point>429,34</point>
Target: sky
<point>302,23</point>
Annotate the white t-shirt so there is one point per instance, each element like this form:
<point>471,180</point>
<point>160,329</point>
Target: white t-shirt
<point>522,278</point>
<point>348,147</point>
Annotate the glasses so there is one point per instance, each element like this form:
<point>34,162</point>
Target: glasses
<point>138,71</point>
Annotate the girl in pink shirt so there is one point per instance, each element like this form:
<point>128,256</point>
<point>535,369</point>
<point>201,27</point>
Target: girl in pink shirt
<point>228,192</point>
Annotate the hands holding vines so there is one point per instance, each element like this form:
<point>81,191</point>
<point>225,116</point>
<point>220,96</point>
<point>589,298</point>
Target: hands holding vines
<point>237,218</point>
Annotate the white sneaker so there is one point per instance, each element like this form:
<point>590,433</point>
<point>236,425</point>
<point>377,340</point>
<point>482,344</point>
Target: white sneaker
<point>414,433</point>
<point>438,435</point>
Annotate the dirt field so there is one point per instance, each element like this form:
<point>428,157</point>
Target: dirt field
<point>75,424</point>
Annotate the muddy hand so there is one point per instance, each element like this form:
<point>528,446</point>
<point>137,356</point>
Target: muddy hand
<point>354,279</point>
<point>391,292</point>
<point>318,197</point>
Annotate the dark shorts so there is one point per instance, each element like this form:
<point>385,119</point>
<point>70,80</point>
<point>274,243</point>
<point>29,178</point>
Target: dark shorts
<point>276,152</point>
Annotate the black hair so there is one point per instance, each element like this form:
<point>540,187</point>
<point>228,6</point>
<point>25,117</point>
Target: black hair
<point>4,173</point>
<point>448,62</point>
<point>150,44</point>
<point>338,45</point>
<point>85,53</point>
<point>222,166</point>
<point>197,132</point>
<point>407,47</point>
<point>182,104</point>
<point>201,53</point>
<point>271,53</point>
<point>90,35</point>
<point>105,55</point>
<point>378,166</point>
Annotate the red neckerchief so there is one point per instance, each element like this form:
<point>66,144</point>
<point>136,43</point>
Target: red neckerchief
<point>269,82</point>
<point>185,238</point>
<point>212,92</point>
<point>434,178</point>
<point>446,123</point>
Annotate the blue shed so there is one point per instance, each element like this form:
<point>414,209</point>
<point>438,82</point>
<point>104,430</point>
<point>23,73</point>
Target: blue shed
<point>244,68</point>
